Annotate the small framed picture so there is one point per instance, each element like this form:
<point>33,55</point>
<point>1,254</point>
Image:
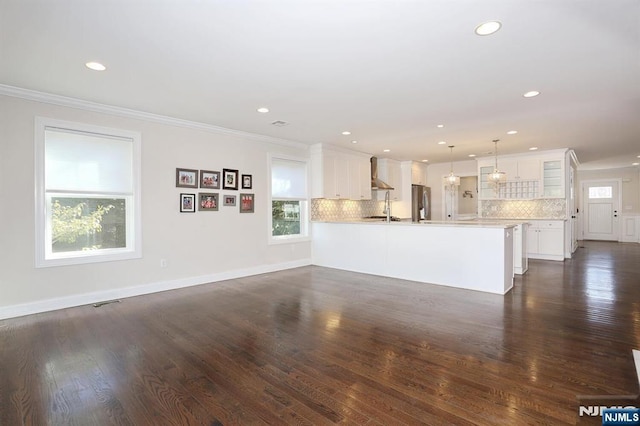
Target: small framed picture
<point>229,179</point>
<point>208,201</point>
<point>209,179</point>
<point>186,178</point>
<point>247,202</point>
<point>229,200</point>
<point>187,203</point>
<point>246,181</point>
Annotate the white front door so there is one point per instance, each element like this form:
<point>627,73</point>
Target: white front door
<point>600,205</point>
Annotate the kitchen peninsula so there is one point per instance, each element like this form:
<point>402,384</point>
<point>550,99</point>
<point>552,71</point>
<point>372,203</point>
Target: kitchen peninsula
<point>470,255</point>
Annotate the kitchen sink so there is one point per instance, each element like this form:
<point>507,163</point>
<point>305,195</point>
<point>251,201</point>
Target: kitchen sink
<point>383,218</point>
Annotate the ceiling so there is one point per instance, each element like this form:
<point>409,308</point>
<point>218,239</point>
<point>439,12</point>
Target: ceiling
<point>388,71</point>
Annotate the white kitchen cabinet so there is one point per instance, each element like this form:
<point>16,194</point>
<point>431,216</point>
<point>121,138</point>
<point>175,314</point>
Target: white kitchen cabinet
<point>553,178</point>
<point>520,169</point>
<point>545,239</point>
<point>520,256</point>
<point>390,172</point>
<point>528,169</point>
<point>339,174</point>
<point>359,178</point>
<point>418,173</point>
<point>487,191</point>
<point>529,176</point>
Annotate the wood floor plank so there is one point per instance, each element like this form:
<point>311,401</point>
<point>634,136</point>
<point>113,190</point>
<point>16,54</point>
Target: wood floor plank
<point>315,346</point>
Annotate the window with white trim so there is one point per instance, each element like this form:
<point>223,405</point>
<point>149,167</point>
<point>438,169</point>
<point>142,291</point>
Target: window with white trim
<point>289,203</point>
<point>87,193</point>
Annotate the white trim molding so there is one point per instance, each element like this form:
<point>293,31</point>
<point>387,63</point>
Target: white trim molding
<point>48,98</point>
<point>13,311</point>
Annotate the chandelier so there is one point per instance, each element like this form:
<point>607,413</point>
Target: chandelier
<point>496,176</point>
<point>451,180</point>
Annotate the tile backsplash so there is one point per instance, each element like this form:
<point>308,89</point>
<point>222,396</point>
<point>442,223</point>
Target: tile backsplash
<point>544,208</point>
<point>323,209</point>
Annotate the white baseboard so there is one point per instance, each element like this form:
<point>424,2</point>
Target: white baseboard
<point>559,258</point>
<point>89,298</point>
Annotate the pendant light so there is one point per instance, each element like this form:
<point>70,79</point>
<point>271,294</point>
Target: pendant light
<point>451,180</point>
<point>496,176</point>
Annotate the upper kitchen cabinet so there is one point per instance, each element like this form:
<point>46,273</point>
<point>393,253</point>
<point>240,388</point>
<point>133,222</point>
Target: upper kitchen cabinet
<point>339,174</point>
<point>529,176</point>
<point>359,177</point>
<point>418,173</point>
<point>521,169</point>
<point>553,178</point>
<point>486,191</point>
<point>390,171</point>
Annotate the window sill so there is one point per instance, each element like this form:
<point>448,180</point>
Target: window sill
<point>83,260</point>
<point>288,240</point>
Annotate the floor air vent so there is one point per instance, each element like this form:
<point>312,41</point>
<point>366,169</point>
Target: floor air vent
<point>106,302</point>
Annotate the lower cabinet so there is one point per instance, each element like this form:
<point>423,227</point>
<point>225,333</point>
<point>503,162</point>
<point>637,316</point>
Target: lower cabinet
<point>545,239</point>
<point>520,258</point>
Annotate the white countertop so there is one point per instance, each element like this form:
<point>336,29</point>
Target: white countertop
<point>407,222</point>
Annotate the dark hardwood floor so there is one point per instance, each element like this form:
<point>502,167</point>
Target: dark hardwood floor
<point>315,346</point>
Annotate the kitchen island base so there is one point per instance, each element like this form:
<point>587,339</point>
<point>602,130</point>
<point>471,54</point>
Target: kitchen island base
<point>473,257</point>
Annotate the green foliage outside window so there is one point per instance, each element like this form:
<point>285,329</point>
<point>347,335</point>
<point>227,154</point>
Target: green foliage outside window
<point>286,218</point>
<point>87,224</point>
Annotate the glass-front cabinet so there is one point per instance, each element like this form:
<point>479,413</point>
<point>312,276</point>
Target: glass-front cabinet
<point>487,190</point>
<point>553,179</point>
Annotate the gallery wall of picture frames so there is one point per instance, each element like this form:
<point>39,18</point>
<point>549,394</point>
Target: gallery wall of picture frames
<point>228,179</point>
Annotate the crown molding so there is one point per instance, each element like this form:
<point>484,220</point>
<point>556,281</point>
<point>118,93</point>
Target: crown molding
<point>49,98</point>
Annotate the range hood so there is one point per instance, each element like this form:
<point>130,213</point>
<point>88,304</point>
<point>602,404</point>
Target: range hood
<point>375,182</point>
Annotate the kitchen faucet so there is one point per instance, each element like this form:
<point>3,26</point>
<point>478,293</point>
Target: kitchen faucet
<point>387,207</point>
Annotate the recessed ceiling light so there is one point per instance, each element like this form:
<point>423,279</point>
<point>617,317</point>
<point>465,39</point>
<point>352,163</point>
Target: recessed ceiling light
<point>440,126</point>
<point>354,141</point>
<point>533,148</point>
<point>96,66</point>
<point>635,164</point>
<point>442,143</point>
<point>425,161</point>
<point>638,156</point>
<point>512,132</point>
<point>346,133</point>
<point>472,155</point>
<point>386,150</point>
<point>531,94</point>
<point>263,110</point>
<point>488,28</point>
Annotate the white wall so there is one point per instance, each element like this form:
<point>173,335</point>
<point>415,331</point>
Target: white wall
<point>630,177</point>
<point>435,174</point>
<point>199,248</point>
<point>468,205</point>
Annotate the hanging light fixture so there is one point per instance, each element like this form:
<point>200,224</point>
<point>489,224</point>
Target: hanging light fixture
<point>451,180</point>
<point>496,176</point>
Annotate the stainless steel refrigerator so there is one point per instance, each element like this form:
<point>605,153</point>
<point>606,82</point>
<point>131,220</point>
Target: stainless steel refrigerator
<point>420,203</point>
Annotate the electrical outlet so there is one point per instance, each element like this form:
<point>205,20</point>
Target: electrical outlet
<point>163,263</point>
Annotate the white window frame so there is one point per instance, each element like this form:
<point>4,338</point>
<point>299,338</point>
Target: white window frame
<point>304,209</point>
<point>134,215</point>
